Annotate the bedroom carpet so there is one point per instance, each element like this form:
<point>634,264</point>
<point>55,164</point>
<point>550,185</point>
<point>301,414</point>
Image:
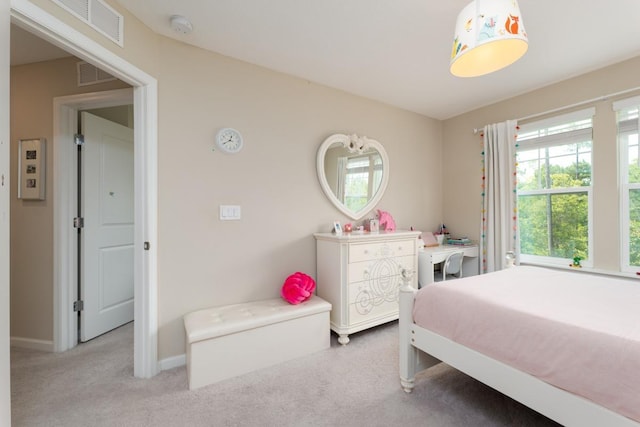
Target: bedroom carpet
<point>353,385</point>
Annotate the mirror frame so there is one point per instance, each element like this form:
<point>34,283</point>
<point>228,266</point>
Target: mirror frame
<point>355,144</point>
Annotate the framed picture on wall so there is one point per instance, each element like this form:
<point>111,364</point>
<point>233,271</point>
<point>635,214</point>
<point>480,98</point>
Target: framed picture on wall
<point>31,168</point>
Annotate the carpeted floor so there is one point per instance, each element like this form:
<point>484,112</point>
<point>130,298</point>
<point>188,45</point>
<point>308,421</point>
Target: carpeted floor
<point>353,385</point>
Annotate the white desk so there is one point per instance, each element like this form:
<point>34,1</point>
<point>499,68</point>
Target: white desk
<point>437,254</point>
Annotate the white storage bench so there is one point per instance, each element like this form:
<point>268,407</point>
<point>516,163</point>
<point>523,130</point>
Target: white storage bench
<point>223,342</point>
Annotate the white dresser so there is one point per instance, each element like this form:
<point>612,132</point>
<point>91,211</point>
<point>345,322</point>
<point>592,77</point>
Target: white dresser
<point>360,275</point>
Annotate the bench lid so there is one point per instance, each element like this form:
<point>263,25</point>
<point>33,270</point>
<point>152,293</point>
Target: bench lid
<point>217,321</point>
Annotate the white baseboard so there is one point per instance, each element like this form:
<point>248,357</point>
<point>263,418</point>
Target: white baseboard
<point>32,344</point>
<point>173,362</point>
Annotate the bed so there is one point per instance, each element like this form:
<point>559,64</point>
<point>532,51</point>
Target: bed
<point>564,343</point>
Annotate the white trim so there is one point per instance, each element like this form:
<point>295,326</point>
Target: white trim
<point>562,138</point>
<point>5,211</point>
<point>630,125</point>
<point>573,116</point>
<point>623,179</point>
<point>558,190</point>
<point>64,266</point>
<point>624,188</point>
<point>173,362</point>
<point>146,208</point>
<point>584,270</point>
<point>29,16</point>
<point>623,104</point>
<point>578,104</point>
<point>33,344</point>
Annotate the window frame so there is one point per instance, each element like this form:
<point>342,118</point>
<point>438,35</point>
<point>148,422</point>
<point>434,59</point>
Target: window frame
<point>626,127</point>
<point>567,137</point>
<point>371,170</point>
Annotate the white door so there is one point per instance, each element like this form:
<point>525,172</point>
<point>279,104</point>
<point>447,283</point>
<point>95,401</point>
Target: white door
<point>106,254</point>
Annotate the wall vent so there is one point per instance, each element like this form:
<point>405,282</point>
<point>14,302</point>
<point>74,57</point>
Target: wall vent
<point>90,74</point>
<point>98,15</point>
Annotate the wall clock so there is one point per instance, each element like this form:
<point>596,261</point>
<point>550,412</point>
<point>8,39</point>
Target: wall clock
<point>229,140</point>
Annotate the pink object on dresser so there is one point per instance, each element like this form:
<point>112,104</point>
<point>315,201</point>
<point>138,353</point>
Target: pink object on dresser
<point>387,222</point>
<point>578,332</point>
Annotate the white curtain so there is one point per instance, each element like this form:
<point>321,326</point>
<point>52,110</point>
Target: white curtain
<point>499,211</point>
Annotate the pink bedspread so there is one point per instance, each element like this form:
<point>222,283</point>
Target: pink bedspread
<point>576,331</point>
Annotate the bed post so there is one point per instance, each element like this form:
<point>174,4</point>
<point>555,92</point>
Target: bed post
<point>408,353</point>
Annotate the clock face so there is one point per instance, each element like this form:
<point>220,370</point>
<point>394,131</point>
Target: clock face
<point>229,140</point>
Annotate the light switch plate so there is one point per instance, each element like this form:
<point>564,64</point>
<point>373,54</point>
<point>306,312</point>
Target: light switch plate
<point>230,212</point>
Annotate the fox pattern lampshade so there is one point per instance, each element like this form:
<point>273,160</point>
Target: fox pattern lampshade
<point>489,36</point>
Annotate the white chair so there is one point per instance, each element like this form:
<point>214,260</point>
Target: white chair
<point>452,266</point>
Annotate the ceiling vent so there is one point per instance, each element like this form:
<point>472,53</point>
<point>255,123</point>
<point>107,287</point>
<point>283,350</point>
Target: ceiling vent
<point>90,74</point>
<point>98,15</point>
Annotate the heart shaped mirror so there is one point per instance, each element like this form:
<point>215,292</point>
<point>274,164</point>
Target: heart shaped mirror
<point>353,172</point>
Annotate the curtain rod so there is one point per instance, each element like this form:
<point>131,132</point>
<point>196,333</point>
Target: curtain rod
<point>566,107</point>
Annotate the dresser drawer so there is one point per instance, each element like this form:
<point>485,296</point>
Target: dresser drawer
<point>380,268</point>
<point>365,310</point>
<point>367,251</point>
<point>378,290</point>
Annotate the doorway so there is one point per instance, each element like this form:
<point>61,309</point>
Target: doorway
<point>75,197</point>
<point>30,17</point>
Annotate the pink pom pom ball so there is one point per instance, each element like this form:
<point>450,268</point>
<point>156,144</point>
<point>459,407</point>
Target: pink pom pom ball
<point>298,288</point>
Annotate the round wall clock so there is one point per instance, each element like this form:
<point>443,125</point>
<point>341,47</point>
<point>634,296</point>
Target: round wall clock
<point>229,140</point>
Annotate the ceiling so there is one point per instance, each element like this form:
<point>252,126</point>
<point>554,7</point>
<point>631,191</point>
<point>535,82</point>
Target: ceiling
<point>397,52</point>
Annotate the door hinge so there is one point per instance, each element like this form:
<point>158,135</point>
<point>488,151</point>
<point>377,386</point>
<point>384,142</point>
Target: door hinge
<point>146,246</point>
<point>78,138</point>
<point>78,222</point>
<point>78,305</point>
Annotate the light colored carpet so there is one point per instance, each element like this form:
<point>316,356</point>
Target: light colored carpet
<point>353,385</point>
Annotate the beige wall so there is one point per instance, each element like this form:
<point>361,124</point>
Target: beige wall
<point>462,151</point>
<point>33,88</point>
<point>206,262</point>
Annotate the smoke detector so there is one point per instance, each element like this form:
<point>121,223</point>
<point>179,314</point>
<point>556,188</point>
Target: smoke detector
<point>181,24</point>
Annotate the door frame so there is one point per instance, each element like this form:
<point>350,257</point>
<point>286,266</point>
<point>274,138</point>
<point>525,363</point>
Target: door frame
<point>145,99</point>
<point>65,190</point>
<point>5,185</point>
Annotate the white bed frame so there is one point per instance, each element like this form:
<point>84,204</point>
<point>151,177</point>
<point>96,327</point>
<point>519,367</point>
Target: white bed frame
<point>421,349</point>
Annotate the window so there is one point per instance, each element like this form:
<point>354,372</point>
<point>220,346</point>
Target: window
<point>627,117</point>
<point>554,188</point>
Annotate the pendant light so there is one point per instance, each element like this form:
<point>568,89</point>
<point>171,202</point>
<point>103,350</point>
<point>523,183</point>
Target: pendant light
<point>489,36</point>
